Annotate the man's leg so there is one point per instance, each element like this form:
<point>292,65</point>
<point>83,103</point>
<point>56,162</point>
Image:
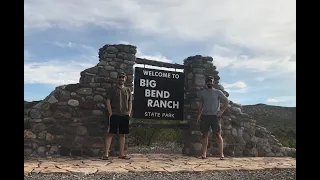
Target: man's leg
<point>112,129</point>
<point>122,140</point>
<point>123,130</point>
<point>216,128</point>
<point>204,144</point>
<point>204,128</point>
<point>220,144</point>
<point>108,140</point>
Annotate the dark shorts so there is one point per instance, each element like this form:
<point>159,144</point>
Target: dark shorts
<point>207,121</point>
<point>118,124</point>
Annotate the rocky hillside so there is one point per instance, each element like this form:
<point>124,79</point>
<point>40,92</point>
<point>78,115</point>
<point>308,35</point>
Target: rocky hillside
<point>281,121</point>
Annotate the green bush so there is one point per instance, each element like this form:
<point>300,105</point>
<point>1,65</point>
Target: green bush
<point>145,135</point>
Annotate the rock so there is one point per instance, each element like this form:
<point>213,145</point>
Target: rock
<point>100,80</point>
<point>122,55</point>
<point>49,137</point>
<point>100,89</point>
<point>267,150</point>
<point>109,68</point>
<point>229,139</point>
<point>94,84</point>
<point>199,80</point>
<point>254,139</point>
<point>27,151</point>
<point>53,150</point>
<point>52,99</point>
<point>98,98</point>
<point>104,72</point>
<point>100,105</point>
<point>234,132</point>
<point>41,151</point>
<point>35,120</point>
<point>29,135</point>
<point>35,113</point>
<point>246,137</point>
<point>111,49</point>
<point>249,145</point>
<point>236,109</point>
<point>89,97</point>
<point>84,91</point>
<point>42,135</point>
<point>246,125</point>
<point>102,63</point>
<point>38,127</point>
<point>97,112</point>
<point>240,132</point>
<point>123,66</point>
<point>81,130</point>
<point>240,140</point>
<point>73,103</point>
<point>114,75</point>
<point>197,146</point>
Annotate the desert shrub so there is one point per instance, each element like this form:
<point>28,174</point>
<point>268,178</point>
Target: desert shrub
<point>144,135</point>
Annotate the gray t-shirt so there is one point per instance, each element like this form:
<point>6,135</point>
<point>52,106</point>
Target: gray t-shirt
<point>211,101</point>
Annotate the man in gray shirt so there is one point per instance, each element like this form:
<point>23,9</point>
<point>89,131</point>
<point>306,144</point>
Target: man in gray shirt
<point>209,114</point>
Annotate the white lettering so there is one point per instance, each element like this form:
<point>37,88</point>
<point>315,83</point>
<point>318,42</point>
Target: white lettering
<point>148,83</point>
<point>156,93</point>
<point>157,74</point>
<point>163,104</point>
<point>151,114</point>
<point>175,76</point>
<point>167,115</point>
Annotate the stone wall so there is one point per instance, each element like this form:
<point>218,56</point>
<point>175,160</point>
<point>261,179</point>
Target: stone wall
<point>242,137</point>
<point>70,120</point>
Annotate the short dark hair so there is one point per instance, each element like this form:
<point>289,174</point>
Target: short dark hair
<point>209,78</point>
<point>122,74</point>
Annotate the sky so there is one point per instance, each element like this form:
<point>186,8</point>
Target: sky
<point>253,43</point>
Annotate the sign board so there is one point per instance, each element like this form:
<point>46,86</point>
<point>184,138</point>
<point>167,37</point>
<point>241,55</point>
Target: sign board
<point>158,94</point>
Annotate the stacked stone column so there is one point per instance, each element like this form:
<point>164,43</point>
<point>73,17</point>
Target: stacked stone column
<point>70,120</point>
<point>240,134</point>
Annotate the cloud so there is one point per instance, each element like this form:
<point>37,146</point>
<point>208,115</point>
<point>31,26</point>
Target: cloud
<point>56,72</point>
<point>67,70</point>
<point>259,79</point>
<point>281,99</point>
<point>266,25</point>
<point>237,61</point>
<point>157,57</point>
<point>77,46</point>
<point>236,85</point>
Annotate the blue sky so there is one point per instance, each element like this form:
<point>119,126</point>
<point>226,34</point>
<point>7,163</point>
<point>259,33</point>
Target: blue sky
<point>253,43</point>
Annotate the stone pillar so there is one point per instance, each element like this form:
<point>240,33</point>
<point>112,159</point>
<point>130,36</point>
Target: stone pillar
<point>196,68</point>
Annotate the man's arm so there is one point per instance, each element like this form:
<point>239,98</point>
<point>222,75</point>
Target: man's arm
<point>108,102</point>
<point>200,107</point>
<point>130,103</point>
<point>225,102</point>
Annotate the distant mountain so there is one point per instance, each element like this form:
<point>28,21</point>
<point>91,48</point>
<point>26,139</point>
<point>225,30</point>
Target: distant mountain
<point>281,121</point>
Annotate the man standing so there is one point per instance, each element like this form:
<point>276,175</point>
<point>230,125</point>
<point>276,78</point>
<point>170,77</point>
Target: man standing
<point>209,113</point>
<point>119,106</point>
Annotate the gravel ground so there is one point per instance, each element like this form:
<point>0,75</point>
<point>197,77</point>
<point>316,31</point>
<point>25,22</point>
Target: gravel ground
<point>269,174</point>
